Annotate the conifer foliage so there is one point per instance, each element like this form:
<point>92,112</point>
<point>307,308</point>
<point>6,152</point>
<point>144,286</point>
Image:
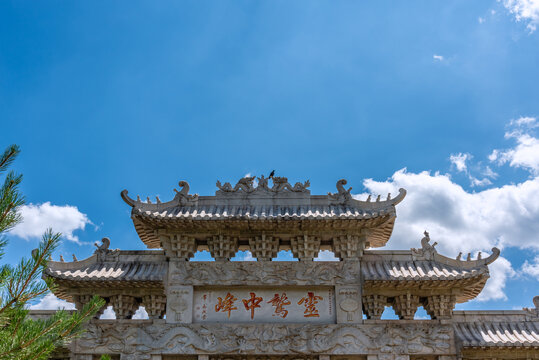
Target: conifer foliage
<point>20,336</point>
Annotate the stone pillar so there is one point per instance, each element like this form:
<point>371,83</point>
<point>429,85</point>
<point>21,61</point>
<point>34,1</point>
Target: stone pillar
<point>374,305</point>
<point>440,306</point>
<point>305,247</point>
<point>264,248</point>
<point>124,306</point>
<point>222,247</point>
<point>348,303</point>
<point>405,305</point>
<point>155,305</point>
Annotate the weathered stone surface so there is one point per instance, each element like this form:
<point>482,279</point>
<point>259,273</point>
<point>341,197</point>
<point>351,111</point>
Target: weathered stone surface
<point>264,273</point>
<point>179,304</point>
<point>374,305</point>
<point>147,337</point>
<point>405,305</point>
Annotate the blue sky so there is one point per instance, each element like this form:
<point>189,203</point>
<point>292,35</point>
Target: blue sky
<point>104,96</point>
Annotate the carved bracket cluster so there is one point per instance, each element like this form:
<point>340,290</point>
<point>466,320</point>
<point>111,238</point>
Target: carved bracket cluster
<point>405,305</point>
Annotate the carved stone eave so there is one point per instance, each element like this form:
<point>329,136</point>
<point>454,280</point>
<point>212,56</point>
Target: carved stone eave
<point>148,228</point>
<point>132,272</point>
<point>385,272</point>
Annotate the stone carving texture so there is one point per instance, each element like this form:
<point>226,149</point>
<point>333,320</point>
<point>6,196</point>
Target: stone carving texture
<point>405,305</point>
<point>264,248</point>
<point>246,186</point>
<point>440,306</point>
<point>305,247</point>
<point>272,273</point>
<point>103,252</point>
<point>180,304</point>
<point>374,305</point>
<point>178,246</point>
<point>349,304</point>
<point>124,306</point>
<point>342,196</point>
<point>347,247</point>
<point>223,247</point>
<point>155,305</point>
<point>140,340</point>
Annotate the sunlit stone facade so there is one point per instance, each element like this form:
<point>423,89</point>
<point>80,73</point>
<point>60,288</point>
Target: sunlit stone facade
<point>301,309</point>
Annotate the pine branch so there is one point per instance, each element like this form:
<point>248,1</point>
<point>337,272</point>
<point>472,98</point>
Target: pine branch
<point>9,155</point>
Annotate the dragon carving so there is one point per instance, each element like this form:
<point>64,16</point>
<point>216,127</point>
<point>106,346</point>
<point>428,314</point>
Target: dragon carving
<point>342,195</point>
<point>246,185</point>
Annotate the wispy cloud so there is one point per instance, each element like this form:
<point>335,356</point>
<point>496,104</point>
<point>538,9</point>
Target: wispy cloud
<point>438,57</point>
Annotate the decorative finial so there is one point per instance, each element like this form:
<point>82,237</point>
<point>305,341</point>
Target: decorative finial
<point>148,200</point>
<point>479,255</point>
<point>378,198</point>
<point>369,199</point>
<point>469,257</point>
<point>75,258</point>
<point>388,196</point>
<point>157,200</point>
<point>138,198</point>
<point>61,258</point>
<point>105,243</point>
<point>459,256</point>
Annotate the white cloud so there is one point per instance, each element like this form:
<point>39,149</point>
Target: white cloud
<point>531,269</point>
<point>51,302</point>
<point>108,313</point>
<point>464,221</point>
<point>459,161</point>
<point>140,313</point>
<point>500,271</point>
<point>326,255</point>
<point>38,218</point>
<point>476,182</point>
<point>524,10</point>
<point>525,121</point>
<point>526,153</point>
<point>438,57</point>
<point>481,19</point>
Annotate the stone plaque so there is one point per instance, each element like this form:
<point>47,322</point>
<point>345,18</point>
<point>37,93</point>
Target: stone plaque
<point>179,304</point>
<point>255,304</point>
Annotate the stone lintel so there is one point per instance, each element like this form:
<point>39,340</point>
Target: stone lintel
<point>254,273</point>
<point>143,338</point>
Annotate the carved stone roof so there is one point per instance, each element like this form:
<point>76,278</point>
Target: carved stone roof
<point>499,329</point>
<point>380,268</point>
<point>142,269</point>
<point>246,208</point>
